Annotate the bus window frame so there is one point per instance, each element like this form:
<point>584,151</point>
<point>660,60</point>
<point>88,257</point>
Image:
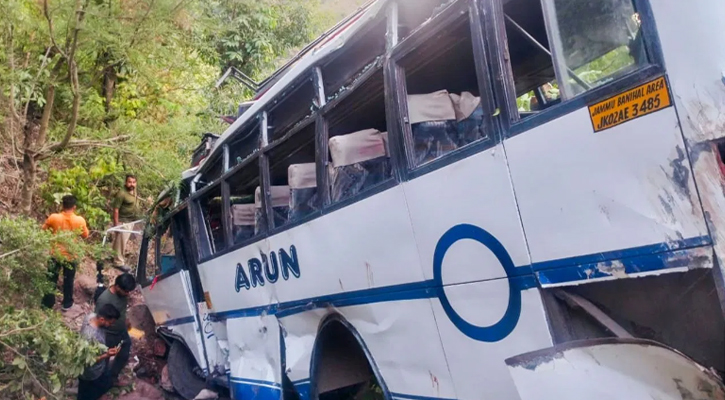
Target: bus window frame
<point>324,136</point>
<point>504,89</point>
<point>195,202</point>
<point>143,262</point>
<point>248,127</point>
<point>357,67</point>
<point>418,38</point>
<point>270,110</point>
<point>266,199</point>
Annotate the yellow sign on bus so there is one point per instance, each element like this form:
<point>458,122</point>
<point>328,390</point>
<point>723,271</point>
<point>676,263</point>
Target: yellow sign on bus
<point>634,103</point>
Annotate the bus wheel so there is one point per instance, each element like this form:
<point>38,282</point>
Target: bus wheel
<point>181,371</point>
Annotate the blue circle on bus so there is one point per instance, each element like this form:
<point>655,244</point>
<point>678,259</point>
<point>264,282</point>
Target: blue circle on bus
<point>508,322</point>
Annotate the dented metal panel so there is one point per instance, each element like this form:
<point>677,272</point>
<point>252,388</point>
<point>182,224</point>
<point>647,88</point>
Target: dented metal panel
<point>612,369</point>
<point>619,191</point>
<point>695,68</point>
<point>255,358</point>
<point>402,340</point>
<point>477,367</point>
<point>172,307</point>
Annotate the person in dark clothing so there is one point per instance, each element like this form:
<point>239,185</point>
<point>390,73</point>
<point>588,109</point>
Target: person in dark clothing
<point>96,379</point>
<point>117,333</point>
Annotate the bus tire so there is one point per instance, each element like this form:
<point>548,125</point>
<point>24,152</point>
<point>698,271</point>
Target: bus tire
<point>181,371</point>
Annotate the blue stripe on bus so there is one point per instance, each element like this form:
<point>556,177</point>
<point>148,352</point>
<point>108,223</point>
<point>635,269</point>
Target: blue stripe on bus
<point>629,266</point>
<point>406,291</point>
<point>638,259</point>
<point>624,253</point>
<point>243,388</point>
<point>250,389</point>
<point>303,389</point>
<point>178,321</point>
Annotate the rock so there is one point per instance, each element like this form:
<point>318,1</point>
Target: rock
<point>143,391</point>
<point>140,318</point>
<point>86,283</point>
<point>165,380</point>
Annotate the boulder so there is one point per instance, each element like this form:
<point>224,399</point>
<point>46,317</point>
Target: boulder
<point>86,283</point>
<point>140,318</point>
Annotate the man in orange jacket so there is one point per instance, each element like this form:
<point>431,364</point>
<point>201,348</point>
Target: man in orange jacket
<point>60,259</point>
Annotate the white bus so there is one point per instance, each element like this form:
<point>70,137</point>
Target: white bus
<point>470,199</point>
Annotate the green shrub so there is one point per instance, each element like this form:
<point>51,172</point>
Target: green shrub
<point>91,183</point>
<point>38,353</point>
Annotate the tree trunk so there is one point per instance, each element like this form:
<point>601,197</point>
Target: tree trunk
<point>109,87</point>
<point>31,132</point>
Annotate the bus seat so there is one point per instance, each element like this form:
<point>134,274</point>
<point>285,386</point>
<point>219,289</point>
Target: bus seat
<point>243,222</point>
<point>359,161</point>
<point>280,206</point>
<point>433,122</point>
<point>302,180</point>
<point>469,114</point>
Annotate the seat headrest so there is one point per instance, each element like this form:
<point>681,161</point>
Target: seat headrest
<point>280,196</point>
<point>302,176</point>
<point>243,214</point>
<point>357,147</point>
<point>436,106</point>
<point>464,105</point>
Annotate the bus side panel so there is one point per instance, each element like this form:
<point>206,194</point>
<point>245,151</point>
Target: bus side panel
<point>254,357</point>
<point>474,191</point>
<point>402,339</point>
<point>169,301</point>
<point>214,336</point>
<point>478,367</point>
<point>583,193</point>
<point>226,280</point>
<point>691,36</point>
<point>367,245</point>
<point>316,258</point>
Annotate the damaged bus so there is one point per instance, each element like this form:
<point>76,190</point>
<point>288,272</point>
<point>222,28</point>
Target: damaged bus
<point>469,199</point>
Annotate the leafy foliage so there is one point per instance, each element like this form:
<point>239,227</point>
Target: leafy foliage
<point>24,255</point>
<point>90,181</point>
<point>38,353</point>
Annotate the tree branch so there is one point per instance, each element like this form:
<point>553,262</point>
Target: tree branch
<point>143,19</point>
<point>11,62</point>
<point>32,374</point>
<point>36,79</point>
<point>48,108</point>
<point>74,144</point>
<point>19,330</point>
<point>73,75</point>
<point>46,13</point>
